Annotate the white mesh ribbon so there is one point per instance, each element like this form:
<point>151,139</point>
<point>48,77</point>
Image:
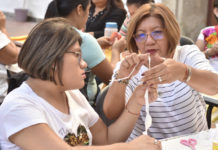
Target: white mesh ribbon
<point>148,119</point>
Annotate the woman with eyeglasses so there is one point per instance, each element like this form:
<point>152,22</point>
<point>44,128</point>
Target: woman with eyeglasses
<point>180,72</point>
<point>48,112</point>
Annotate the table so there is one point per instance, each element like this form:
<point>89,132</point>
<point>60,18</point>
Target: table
<point>18,31</point>
<point>108,54</point>
<point>15,28</point>
<point>204,141</point>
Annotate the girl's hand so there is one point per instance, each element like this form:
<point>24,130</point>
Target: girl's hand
<point>145,142</point>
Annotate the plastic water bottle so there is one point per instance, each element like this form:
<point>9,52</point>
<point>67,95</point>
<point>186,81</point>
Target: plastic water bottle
<point>110,28</point>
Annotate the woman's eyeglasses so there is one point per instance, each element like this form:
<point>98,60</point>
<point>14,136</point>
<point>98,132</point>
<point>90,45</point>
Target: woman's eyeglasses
<point>77,54</point>
<point>142,37</point>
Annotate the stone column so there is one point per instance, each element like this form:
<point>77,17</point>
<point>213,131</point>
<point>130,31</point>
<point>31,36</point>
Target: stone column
<point>191,15</point>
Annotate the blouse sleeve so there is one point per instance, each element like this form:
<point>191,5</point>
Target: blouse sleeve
<point>123,29</point>
<point>201,36</point>
<point>191,55</point>
<point>20,116</point>
<point>91,50</point>
<point>3,40</point>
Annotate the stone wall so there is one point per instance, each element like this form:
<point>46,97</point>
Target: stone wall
<point>191,15</point>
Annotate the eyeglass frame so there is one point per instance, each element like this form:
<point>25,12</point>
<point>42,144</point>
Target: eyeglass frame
<point>77,54</point>
<point>150,34</point>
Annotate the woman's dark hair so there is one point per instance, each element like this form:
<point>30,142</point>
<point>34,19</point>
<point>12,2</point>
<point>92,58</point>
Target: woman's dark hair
<point>62,8</point>
<point>215,3</point>
<point>42,53</point>
<point>51,11</point>
<point>138,2</point>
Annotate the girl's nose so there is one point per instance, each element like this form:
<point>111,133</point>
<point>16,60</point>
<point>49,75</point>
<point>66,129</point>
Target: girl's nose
<point>83,64</point>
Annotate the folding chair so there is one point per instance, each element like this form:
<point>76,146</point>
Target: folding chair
<point>212,102</point>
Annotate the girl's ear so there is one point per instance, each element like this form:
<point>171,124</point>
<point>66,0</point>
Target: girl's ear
<point>215,11</point>
<point>79,9</point>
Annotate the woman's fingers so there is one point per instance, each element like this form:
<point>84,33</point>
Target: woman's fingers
<point>131,61</point>
<point>166,72</point>
<point>154,76</point>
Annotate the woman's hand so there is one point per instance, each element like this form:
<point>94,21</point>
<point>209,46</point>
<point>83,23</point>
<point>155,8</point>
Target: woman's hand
<point>104,42</point>
<point>139,94</point>
<point>145,142</point>
<point>166,72</point>
<point>212,51</point>
<point>119,45</point>
<point>131,61</point>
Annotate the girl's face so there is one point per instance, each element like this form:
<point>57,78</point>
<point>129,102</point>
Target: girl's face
<point>73,74</point>
<point>132,8</point>
<point>150,37</point>
<point>215,11</point>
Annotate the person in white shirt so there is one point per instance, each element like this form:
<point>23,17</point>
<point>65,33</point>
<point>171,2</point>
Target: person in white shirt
<point>48,111</point>
<point>8,56</point>
<point>207,40</point>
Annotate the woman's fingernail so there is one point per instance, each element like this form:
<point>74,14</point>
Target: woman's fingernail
<point>142,74</point>
<point>144,82</point>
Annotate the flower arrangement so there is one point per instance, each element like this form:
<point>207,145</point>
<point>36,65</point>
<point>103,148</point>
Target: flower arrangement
<point>210,36</point>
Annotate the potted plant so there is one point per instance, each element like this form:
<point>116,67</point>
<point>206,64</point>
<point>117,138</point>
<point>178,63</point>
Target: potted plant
<point>21,13</point>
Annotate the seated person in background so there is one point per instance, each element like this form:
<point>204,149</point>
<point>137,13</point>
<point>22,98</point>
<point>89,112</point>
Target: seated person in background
<point>104,11</point>
<point>132,6</point>
<point>119,46</point>
<point>184,40</point>
<point>208,40</point>
<point>8,56</point>
<point>180,72</point>
<point>77,13</point>
<point>48,112</point>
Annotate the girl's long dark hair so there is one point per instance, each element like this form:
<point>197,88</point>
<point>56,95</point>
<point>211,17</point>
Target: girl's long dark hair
<point>62,8</point>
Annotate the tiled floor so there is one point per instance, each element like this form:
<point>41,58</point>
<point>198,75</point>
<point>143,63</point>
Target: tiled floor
<point>15,28</point>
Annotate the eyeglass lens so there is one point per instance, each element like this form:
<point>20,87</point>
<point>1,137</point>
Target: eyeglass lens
<point>156,35</point>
